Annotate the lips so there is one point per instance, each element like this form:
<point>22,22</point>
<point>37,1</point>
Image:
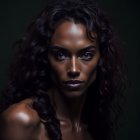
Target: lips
<point>73,84</point>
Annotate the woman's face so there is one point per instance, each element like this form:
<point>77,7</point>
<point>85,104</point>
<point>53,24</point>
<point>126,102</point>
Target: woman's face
<point>73,59</point>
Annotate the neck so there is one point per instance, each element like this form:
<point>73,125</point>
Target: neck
<point>67,108</point>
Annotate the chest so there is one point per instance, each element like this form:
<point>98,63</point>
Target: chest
<point>73,135</point>
<point>75,132</point>
<point>67,133</point>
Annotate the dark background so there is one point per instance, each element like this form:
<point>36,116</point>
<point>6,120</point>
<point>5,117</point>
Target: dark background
<point>15,15</point>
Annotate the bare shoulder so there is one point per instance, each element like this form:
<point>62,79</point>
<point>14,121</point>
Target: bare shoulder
<point>21,122</point>
<point>21,113</point>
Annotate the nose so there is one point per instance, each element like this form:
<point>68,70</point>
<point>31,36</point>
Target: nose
<point>73,68</point>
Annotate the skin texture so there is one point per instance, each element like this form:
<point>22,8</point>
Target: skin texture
<point>72,56</point>
<point>74,63</point>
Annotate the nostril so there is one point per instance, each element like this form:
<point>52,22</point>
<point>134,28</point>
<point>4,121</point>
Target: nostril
<point>73,74</point>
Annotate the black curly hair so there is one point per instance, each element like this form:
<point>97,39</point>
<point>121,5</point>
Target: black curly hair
<point>29,74</point>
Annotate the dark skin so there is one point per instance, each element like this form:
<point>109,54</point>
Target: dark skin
<point>73,59</point>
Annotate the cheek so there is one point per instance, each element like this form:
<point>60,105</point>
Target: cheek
<point>57,70</point>
<point>90,70</point>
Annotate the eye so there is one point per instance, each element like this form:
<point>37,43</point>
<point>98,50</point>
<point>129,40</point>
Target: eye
<point>87,56</point>
<point>59,55</point>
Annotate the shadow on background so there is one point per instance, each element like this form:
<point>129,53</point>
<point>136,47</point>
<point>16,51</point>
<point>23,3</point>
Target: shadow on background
<point>15,15</point>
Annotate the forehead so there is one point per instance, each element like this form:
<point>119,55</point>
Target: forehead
<point>69,32</point>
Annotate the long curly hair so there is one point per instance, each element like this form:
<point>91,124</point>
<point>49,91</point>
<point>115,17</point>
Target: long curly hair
<point>29,74</point>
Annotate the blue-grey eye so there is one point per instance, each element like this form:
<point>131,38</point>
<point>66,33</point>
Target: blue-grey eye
<point>59,55</point>
<point>87,56</point>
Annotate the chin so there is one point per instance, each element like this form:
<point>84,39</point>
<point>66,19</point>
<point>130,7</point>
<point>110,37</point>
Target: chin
<point>73,94</point>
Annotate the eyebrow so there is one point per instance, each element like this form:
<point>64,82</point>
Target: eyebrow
<point>89,47</point>
<point>53,47</point>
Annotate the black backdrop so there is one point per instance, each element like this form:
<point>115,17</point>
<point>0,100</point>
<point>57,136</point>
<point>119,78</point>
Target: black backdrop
<point>15,15</point>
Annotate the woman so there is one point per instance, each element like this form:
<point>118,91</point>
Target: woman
<point>66,78</point>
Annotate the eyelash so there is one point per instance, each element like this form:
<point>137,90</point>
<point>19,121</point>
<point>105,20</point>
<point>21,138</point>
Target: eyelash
<point>87,56</point>
<point>59,55</point>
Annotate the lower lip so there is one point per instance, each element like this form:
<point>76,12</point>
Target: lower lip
<point>73,86</point>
